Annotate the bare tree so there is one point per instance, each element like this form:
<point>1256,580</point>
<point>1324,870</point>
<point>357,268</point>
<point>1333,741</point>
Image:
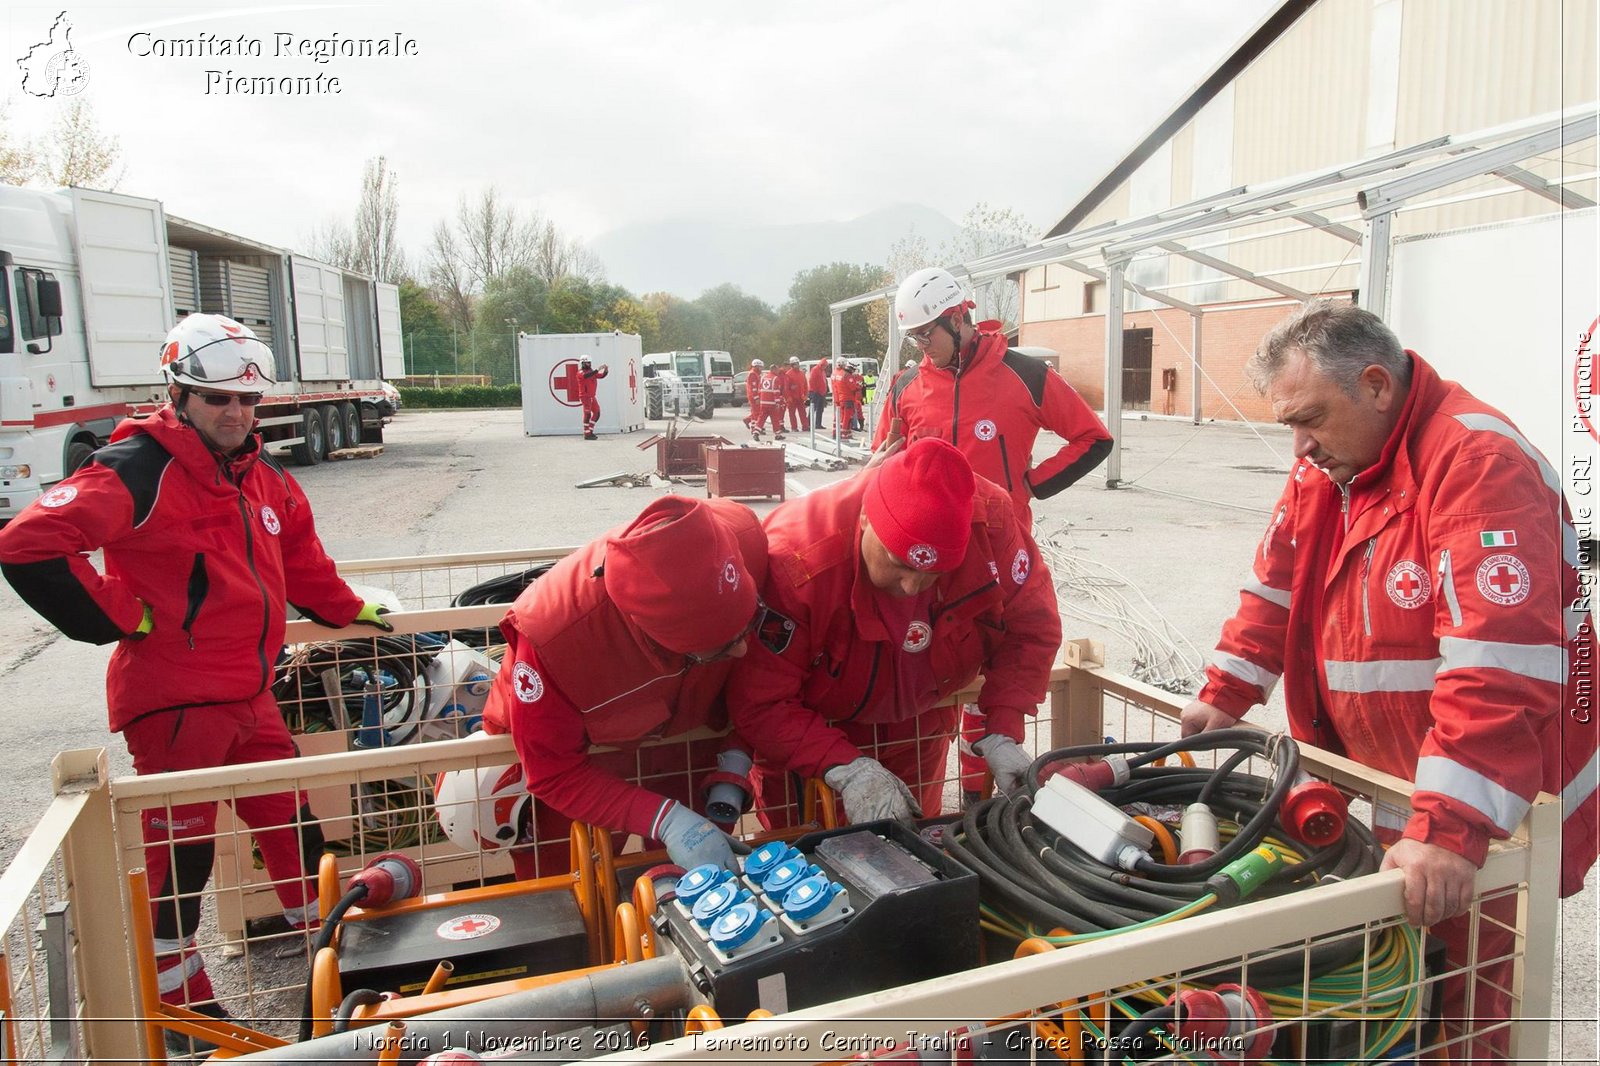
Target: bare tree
<point>375,240</point>
<point>448,275</point>
<point>556,257</point>
<point>17,161</point>
<point>77,153</point>
<point>333,243</point>
<point>984,231</point>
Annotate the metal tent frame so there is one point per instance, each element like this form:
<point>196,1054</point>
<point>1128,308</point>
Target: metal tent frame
<point>1355,203</point>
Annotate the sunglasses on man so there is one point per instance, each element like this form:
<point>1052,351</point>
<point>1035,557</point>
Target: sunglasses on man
<point>220,399</point>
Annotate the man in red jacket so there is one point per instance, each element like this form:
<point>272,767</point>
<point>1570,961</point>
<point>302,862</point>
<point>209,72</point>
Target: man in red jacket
<point>588,386</point>
<point>626,640</point>
<point>887,593</point>
<point>752,395</point>
<point>844,398</point>
<point>794,395</point>
<point>1417,593</point>
<point>772,379</point>
<point>986,399</point>
<point>817,390</point>
<point>205,540</point>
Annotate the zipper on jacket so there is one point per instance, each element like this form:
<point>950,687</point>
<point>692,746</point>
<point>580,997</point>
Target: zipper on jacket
<point>1366,570</point>
<point>199,585</point>
<point>266,609</point>
<point>872,681</point>
<point>1005,464</point>
<point>1344,506</point>
<point>1447,586</point>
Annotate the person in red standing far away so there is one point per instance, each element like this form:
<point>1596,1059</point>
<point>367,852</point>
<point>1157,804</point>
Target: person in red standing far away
<point>588,384</point>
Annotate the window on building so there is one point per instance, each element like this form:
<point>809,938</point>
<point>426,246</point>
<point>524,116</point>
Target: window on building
<point>1094,297</point>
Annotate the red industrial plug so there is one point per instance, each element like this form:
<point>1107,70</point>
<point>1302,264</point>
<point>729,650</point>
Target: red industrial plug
<point>1097,775</point>
<point>1218,1020</point>
<point>1198,834</point>
<point>388,878</point>
<point>1314,812</point>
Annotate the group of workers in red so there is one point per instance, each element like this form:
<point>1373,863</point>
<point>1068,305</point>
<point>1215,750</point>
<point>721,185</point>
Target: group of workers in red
<point>802,394</point>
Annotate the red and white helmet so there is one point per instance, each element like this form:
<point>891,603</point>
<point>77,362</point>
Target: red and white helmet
<point>757,362</point>
<point>215,352</point>
<point>485,809</point>
<point>926,295</point>
<point>794,360</point>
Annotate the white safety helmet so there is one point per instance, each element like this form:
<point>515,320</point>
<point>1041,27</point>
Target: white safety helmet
<point>757,362</point>
<point>794,360</point>
<point>215,352</point>
<point>926,295</point>
<point>483,809</point>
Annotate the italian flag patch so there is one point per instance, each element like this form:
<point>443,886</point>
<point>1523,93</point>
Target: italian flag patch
<point>1498,538</point>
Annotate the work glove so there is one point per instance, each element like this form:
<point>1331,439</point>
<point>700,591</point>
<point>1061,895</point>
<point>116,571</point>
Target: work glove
<point>692,841</point>
<point>871,792</point>
<point>372,615</point>
<point>1007,761</point>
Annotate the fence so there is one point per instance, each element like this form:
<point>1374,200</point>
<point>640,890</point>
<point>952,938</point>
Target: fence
<point>71,977</point>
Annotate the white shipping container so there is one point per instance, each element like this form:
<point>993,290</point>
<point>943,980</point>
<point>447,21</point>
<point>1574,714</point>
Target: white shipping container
<point>549,366</point>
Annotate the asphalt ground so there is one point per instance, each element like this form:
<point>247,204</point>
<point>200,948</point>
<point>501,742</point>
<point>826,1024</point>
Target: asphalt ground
<point>1178,534</point>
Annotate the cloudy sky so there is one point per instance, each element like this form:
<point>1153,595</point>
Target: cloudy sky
<point>607,114</point>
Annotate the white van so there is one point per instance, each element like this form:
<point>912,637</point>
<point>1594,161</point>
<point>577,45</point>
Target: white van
<point>715,369</point>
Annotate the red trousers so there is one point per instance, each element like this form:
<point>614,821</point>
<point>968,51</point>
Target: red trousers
<point>799,417</point>
<point>591,413</point>
<point>180,841</point>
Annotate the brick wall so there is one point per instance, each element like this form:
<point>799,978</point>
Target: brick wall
<point>1229,336</point>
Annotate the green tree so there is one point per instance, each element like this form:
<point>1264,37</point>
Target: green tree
<point>518,301</point>
<point>740,323</point>
<point>428,336</point>
<point>804,325</point>
<point>679,324</point>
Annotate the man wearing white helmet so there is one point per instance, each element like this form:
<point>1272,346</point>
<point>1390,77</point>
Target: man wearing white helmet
<point>752,395</point>
<point>206,540</point>
<point>986,399</point>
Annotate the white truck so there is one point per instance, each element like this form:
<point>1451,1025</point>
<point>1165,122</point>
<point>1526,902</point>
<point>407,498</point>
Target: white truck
<point>90,283</point>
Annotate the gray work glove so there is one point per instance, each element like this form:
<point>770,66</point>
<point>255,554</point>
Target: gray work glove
<point>871,792</point>
<point>1007,761</point>
<point>692,841</point>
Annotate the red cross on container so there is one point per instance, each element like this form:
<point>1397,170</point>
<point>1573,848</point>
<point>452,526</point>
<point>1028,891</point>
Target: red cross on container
<point>1504,579</point>
<point>564,383</point>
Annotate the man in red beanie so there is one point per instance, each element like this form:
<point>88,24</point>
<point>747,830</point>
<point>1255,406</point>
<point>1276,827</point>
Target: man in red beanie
<point>887,593</point>
<point>630,638</point>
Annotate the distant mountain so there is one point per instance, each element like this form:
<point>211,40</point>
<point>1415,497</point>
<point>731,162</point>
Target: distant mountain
<point>688,256</point>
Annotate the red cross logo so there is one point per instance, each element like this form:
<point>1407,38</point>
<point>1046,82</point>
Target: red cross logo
<point>633,383</point>
<point>468,927</point>
<point>1503,579</point>
<point>1408,585</point>
<point>564,378</point>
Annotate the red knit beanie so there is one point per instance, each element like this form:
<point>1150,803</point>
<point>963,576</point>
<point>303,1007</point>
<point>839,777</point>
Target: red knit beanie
<point>920,505</point>
<point>677,574</point>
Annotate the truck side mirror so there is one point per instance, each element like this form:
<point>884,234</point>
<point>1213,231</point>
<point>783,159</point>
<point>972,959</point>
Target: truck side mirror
<point>49,293</point>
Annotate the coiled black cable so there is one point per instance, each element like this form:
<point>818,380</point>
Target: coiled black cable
<point>1027,870</point>
<point>504,589</point>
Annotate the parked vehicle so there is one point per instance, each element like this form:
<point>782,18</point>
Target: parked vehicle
<point>675,383</point>
<point>90,283</point>
<point>715,369</point>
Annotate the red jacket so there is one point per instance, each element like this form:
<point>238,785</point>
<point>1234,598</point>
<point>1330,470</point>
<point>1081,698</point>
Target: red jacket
<point>817,378</point>
<point>752,387</point>
<point>794,385</point>
<point>601,681</point>
<point>824,655</point>
<point>589,381</point>
<point>993,411</point>
<point>1441,649</point>
<point>215,548</point>
<point>846,387</point>
<point>772,387</point>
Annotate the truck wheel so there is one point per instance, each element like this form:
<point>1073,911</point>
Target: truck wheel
<point>652,406</point>
<point>371,424</point>
<point>333,428</point>
<point>351,417</point>
<point>309,452</point>
<point>78,453</point>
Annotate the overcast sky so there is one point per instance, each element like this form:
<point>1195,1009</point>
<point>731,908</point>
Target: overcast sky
<point>606,114</point>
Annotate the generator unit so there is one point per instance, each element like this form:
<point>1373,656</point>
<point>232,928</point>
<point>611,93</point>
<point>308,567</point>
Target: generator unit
<point>838,913</point>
